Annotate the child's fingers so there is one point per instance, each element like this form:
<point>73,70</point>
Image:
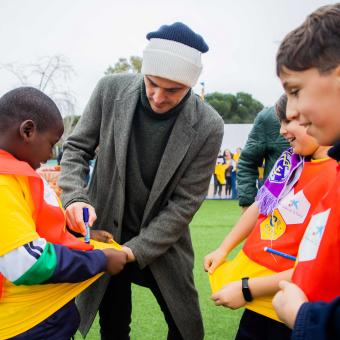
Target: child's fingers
<point>212,267</point>
<point>216,298</point>
<point>277,300</point>
<point>101,235</point>
<point>283,284</point>
<point>218,302</point>
<point>207,263</point>
<point>107,236</point>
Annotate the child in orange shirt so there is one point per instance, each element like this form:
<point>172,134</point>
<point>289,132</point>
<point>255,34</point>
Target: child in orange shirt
<point>277,219</point>
<point>42,266</point>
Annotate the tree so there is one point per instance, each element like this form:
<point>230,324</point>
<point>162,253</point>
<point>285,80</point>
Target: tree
<point>133,65</point>
<point>234,109</point>
<point>51,75</point>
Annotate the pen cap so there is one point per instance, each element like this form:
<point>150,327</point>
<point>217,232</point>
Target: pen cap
<point>85,215</point>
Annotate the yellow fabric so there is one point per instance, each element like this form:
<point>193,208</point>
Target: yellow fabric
<point>17,226</point>
<point>100,245</point>
<point>220,172</point>
<point>23,307</point>
<point>234,270</point>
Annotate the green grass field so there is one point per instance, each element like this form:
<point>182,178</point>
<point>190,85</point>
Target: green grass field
<point>208,228</point>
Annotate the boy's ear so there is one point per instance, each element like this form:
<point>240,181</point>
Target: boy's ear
<point>27,129</point>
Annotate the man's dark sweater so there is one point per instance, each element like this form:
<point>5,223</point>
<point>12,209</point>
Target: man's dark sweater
<point>149,136</point>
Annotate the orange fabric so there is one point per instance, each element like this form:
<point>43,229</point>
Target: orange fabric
<point>1,285</point>
<point>318,268</point>
<point>315,178</point>
<point>49,219</point>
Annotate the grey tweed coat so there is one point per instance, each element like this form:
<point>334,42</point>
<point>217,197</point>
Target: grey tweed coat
<point>180,186</point>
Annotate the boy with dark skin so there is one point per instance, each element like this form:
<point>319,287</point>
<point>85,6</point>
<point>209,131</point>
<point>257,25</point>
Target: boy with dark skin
<point>35,248</point>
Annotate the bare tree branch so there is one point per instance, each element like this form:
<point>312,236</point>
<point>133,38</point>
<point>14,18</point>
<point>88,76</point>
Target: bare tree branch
<point>50,74</point>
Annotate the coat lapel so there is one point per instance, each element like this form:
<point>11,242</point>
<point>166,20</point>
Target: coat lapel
<point>124,109</point>
<point>179,142</point>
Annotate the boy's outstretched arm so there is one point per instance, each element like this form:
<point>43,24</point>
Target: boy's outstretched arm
<point>40,262</point>
<point>231,295</point>
<point>240,232</point>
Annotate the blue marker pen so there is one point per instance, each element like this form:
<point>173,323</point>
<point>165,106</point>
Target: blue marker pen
<point>86,221</point>
<point>280,253</point>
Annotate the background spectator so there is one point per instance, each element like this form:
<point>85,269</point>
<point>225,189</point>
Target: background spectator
<point>219,177</point>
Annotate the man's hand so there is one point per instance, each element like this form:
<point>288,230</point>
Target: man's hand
<point>230,296</point>
<point>129,253</point>
<point>101,235</point>
<point>288,301</point>
<point>213,260</point>
<point>74,216</point>
<point>116,260</point>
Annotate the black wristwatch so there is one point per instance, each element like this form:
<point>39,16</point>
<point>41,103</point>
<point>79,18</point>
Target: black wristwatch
<point>245,290</point>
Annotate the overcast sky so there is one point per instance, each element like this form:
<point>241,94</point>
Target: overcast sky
<point>243,37</point>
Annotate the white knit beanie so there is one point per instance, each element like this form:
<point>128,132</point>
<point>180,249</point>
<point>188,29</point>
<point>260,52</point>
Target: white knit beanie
<point>174,52</point>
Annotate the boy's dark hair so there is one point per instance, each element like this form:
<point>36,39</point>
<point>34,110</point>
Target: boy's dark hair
<point>25,103</point>
<point>316,43</point>
<point>281,107</point>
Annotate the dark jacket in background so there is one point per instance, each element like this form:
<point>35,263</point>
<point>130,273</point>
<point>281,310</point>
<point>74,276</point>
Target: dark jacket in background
<point>264,142</point>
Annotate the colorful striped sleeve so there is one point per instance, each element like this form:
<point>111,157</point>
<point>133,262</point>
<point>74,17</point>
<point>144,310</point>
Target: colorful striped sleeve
<point>33,263</point>
<point>39,262</point>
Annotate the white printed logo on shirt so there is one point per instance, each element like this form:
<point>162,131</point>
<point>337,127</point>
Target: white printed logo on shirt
<point>50,196</point>
<point>310,243</point>
<point>294,208</point>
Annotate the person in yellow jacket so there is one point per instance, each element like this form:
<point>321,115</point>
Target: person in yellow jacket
<point>219,177</point>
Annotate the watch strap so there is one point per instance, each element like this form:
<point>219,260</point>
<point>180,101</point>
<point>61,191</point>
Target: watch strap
<point>245,290</point>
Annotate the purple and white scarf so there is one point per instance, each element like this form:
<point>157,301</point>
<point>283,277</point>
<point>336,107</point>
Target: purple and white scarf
<point>280,181</point>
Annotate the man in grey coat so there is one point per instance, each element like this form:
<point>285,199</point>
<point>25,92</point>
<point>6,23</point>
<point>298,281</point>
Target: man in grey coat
<point>157,145</point>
